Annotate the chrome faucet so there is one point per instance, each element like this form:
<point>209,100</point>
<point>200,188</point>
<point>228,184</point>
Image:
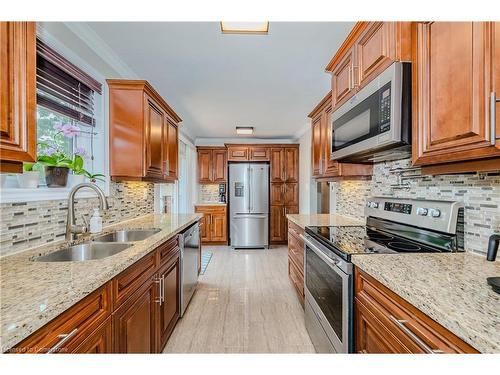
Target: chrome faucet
<point>71,228</point>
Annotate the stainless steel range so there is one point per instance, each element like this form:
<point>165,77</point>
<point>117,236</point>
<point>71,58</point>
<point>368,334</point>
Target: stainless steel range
<point>393,225</point>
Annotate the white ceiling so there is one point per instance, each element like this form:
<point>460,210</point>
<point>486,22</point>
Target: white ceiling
<point>217,81</point>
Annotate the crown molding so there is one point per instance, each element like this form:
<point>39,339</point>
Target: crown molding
<point>101,48</point>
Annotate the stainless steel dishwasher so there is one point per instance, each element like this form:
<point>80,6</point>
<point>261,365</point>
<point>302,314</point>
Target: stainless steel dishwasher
<point>190,258</point>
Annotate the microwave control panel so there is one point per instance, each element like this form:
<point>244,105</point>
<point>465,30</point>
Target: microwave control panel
<point>385,110</point>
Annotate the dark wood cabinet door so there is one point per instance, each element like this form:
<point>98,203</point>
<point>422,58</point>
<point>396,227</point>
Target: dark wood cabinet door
<point>342,79</point>
<point>317,146</point>
<point>453,75</point>
<point>172,150</point>
<point>291,164</point>
<point>277,193</point>
<point>218,227</point>
<point>17,95</point>
<point>277,224</point>
<point>169,308</point>
<point>219,166</point>
<point>277,164</point>
<point>154,122</point>
<point>205,227</point>
<point>205,166</point>
<point>257,153</point>
<point>98,342</point>
<point>134,323</point>
<point>373,51</point>
<point>291,194</point>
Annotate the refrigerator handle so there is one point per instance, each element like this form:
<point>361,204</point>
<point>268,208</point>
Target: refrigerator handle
<point>248,189</point>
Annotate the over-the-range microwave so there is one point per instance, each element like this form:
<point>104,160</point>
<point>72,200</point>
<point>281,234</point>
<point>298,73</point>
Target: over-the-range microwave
<point>375,124</point>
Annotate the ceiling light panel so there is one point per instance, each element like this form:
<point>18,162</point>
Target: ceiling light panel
<point>244,27</point>
<point>244,130</point>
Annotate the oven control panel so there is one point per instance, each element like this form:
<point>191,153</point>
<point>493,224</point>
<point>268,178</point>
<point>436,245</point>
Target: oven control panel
<point>402,208</point>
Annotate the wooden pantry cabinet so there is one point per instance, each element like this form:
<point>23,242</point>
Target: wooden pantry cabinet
<point>322,167</point>
<point>143,133</point>
<point>135,312</point>
<point>386,323</point>
<point>284,189</point>
<point>456,75</point>
<point>213,228</point>
<point>212,165</point>
<point>17,95</point>
<point>368,50</point>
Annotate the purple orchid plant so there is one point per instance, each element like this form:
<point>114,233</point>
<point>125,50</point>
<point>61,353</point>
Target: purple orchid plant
<point>51,153</point>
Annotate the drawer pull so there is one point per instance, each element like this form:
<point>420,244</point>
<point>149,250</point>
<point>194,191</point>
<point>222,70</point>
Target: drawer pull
<point>64,338</point>
<point>417,340</point>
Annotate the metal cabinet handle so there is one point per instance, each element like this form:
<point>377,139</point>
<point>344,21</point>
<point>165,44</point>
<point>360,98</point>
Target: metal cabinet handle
<point>64,338</point>
<point>417,340</point>
<point>349,72</point>
<point>159,300</point>
<point>493,118</point>
<point>162,288</point>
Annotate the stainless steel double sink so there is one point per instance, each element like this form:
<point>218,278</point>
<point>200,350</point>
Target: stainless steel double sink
<point>100,247</point>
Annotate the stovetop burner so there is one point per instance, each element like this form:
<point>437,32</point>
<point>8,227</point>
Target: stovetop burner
<point>403,246</point>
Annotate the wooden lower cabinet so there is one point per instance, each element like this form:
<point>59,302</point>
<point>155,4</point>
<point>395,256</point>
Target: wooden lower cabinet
<point>135,312</point>
<point>278,220</point>
<point>296,259</point>
<point>386,323</point>
<point>170,306</point>
<point>213,224</point>
<point>134,323</point>
<point>99,342</point>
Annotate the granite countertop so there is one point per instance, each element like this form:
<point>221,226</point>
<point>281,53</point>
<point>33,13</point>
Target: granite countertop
<point>332,220</point>
<point>450,288</point>
<point>34,293</point>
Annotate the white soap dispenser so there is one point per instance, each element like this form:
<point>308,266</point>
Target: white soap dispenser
<point>96,222</point>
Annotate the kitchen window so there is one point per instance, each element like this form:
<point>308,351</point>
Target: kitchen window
<point>70,117</point>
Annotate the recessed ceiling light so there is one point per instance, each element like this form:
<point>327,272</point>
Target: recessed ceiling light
<point>246,130</point>
<point>244,27</point>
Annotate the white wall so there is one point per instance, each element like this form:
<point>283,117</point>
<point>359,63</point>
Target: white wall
<point>305,180</point>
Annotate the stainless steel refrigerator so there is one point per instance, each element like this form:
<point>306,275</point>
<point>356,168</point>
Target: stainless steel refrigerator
<point>249,205</point>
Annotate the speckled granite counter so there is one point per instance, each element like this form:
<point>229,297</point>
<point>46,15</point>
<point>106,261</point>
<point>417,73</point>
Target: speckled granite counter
<point>33,293</point>
<point>450,288</point>
<point>335,220</point>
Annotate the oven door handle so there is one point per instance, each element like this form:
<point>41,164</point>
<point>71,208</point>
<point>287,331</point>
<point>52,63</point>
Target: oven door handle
<point>318,252</point>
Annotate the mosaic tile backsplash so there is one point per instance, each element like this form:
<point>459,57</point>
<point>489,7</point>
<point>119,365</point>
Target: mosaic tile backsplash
<point>480,194</point>
<point>29,224</point>
<point>208,193</point>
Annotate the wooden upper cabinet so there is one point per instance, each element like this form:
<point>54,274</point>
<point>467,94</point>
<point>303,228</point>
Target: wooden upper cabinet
<point>143,133</point>
<point>343,79</point>
<point>316,145</point>
<point>155,148</point>
<point>277,163</point>
<point>277,193</point>
<point>237,153</point>
<point>205,166</point>
<point>373,51</point>
<point>368,50</point>
<point>291,164</point>
<point>172,160</point>
<point>455,71</point>
<point>212,165</point>
<point>257,153</point>
<point>17,95</point>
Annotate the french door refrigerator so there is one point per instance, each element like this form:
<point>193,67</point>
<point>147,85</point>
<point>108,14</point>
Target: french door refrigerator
<point>249,205</point>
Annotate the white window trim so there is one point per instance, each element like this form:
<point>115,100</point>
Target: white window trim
<point>14,195</point>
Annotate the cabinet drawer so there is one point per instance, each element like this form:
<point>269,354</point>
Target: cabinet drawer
<point>166,250</point>
<point>295,229</point>
<point>296,250</point>
<point>415,330</point>
<point>297,279</point>
<point>132,278</point>
<point>72,327</point>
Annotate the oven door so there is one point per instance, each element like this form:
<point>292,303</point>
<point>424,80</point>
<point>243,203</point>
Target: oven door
<point>328,291</point>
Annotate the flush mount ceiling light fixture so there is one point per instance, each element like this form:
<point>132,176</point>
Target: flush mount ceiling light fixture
<point>244,27</point>
<point>244,130</point>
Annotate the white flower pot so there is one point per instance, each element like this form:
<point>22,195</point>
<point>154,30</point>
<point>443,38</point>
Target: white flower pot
<point>75,179</point>
<point>28,180</point>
